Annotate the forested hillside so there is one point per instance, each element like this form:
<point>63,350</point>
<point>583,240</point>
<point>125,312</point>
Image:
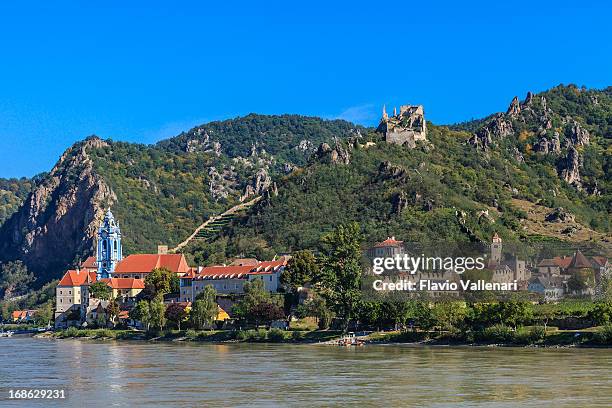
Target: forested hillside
<point>12,193</point>
<point>540,170</point>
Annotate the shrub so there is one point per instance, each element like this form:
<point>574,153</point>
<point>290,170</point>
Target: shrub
<point>276,335</point>
<point>604,334</point>
<point>105,333</point>
<point>70,332</point>
<point>191,334</point>
<point>498,333</point>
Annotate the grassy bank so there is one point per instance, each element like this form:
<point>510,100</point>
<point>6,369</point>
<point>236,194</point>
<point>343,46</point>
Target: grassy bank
<point>495,335</point>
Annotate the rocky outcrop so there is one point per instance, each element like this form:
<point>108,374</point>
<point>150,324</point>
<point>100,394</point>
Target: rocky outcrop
<point>497,128</point>
<point>338,155</point>
<point>515,108</point>
<point>387,170</point>
<point>261,183</point>
<point>559,215</point>
<point>570,167</point>
<point>59,218</point>
<point>578,135</point>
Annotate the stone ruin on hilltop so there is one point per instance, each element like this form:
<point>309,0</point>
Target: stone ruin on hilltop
<point>405,128</point>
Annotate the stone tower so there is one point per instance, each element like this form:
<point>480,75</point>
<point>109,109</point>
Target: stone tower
<point>496,250</point>
<point>405,128</point>
<point>109,251</point>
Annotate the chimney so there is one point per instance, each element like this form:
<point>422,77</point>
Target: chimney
<point>162,249</point>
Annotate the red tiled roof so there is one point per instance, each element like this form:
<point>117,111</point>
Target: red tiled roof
<point>145,263</point>
<point>124,314</point>
<point>562,262</point>
<point>77,278</point>
<point>390,241</point>
<point>19,314</point>
<point>548,262</point>
<point>90,263</point>
<point>580,261</point>
<point>124,283</point>
<point>237,272</point>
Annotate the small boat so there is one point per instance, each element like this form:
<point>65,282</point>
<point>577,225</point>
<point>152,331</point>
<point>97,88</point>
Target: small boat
<point>350,340</point>
<point>6,333</point>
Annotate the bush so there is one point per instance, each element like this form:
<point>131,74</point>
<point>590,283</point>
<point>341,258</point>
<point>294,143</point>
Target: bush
<point>533,335</point>
<point>105,333</point>
<point>276,335</point>
<point>604,335</point>
<point>498,333</point>
<point>191,334</point>
<point>70,332</point>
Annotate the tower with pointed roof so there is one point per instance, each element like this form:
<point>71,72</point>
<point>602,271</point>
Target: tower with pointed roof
<point>109,251</point>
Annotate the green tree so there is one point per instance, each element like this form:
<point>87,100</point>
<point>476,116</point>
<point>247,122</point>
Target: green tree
<point>14,279</point>
<point>100,290</point>
<point>601,314</point>
<point>158,314</point>
<point>514,313</point>
<point>44,314</point>
<point>112,311</point>
<point>176,313</point>
<point>341,270</point>
<point>205,309</point>
<point>159,282</point>
<point>301,269</point>
<point>142,313</point>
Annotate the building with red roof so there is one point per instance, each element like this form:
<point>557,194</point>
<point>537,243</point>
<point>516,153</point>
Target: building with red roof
<point>388,248</point>
<point>230,279</point>
<point>139,265</point>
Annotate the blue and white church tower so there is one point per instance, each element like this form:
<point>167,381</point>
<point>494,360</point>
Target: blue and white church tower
<point>109,246</point>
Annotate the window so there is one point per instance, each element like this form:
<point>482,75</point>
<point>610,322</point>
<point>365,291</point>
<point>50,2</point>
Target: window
<point>270,278</point>
<point>60,292</point>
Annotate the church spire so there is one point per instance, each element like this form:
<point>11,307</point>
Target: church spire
<point>109,250</point>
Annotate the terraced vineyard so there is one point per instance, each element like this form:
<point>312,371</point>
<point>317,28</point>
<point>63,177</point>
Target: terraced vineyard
<point>211,227</point>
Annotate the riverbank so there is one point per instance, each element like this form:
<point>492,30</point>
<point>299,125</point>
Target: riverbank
<point>494,336</point>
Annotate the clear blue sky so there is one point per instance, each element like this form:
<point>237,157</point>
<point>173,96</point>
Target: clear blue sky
<point>146,71</point>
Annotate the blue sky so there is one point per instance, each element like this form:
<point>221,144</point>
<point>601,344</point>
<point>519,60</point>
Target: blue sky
<point>149,70</point>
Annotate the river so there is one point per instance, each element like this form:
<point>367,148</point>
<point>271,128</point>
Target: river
<point>133,373</point>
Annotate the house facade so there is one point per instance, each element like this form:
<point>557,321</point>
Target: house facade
<point>230,279</point>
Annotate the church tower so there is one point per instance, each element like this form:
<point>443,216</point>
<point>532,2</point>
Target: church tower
<point>109,246</point>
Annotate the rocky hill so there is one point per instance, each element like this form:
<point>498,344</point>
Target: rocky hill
<point>158,193</point>
<point>548,156</point>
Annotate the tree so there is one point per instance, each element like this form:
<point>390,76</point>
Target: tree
<point>142,313</point>
<point>205,309</point>
<point>112,310</point>
<point>301,269</point>
<point>158,314</point>
<point>581,280</point>
<point>176,313</point>
<point>100,290</point>
<point>341,269</point>
<point>254,294</point>
<point>265,312</point>
<point>317,308</point>
<point>601,314</point>
<point>515,313</point>
<point>44,314</point>
<point>449,314</point>
<point>14,279</point>
<point>159,282</point>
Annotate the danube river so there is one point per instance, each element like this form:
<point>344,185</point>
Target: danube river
<point>110,373</point>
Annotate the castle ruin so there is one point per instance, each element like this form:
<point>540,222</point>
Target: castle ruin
<point>405,128</point>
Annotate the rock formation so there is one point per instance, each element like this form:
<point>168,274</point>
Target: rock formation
<point>59,218</point>
<point>570,167</point>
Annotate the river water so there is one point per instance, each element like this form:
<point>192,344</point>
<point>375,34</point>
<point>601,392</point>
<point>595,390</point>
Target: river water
<point>111,373</point>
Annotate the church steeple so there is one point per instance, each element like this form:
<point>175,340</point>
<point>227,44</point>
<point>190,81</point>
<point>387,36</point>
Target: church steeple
<point>109,251</point>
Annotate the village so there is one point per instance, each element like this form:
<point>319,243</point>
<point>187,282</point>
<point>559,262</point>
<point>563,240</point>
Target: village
<point>125,279</point>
